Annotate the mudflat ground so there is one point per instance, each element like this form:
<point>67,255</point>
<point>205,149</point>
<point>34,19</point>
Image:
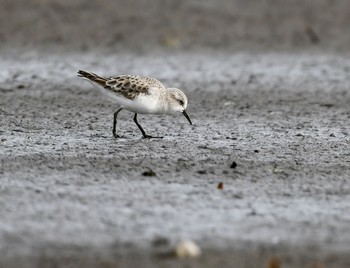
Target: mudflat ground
<point>69,190</point>
<point>268,87</point>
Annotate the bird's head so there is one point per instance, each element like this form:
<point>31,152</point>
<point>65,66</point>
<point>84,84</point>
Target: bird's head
<point>178,102</point>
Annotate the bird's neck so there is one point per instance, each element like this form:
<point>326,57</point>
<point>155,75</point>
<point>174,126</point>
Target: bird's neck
<point>165,101</point>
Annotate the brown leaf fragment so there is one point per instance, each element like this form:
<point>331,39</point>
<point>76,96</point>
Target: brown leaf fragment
<point>220,186</point>
<point>273,262</point>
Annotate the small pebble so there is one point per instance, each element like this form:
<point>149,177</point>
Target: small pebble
<point>149,173</point>
<point>233,165</point>
<point>187,249</point>
<point>160,241</point>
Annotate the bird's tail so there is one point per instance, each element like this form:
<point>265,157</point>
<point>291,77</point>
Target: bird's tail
<point>93,77</point>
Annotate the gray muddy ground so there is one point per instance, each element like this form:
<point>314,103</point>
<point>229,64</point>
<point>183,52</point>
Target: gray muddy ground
<point>73,196</point>
<point>68,188</point>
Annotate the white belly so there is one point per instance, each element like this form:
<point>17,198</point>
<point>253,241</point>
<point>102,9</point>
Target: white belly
<point>143,104</point>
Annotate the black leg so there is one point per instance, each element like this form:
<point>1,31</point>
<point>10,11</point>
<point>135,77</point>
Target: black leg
<point>115,123</point>
<point>143,132</point>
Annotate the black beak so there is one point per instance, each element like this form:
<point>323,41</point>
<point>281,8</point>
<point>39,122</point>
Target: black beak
<point>186,115</point>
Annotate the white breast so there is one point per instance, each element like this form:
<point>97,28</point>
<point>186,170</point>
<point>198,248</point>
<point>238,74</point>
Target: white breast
<point>142,104</point>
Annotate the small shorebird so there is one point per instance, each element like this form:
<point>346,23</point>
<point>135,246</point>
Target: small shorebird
<point>140,95</point>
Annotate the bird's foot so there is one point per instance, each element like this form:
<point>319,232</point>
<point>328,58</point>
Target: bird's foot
<point>146,136</point>
<point>117,136</point>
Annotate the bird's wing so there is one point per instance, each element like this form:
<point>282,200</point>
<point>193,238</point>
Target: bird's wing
<point>128,86</point>
<point>152,82</point>
<point>131,86</point>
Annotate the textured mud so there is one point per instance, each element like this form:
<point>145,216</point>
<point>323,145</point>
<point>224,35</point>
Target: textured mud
<point>260,180</point>
<point>70,190</point>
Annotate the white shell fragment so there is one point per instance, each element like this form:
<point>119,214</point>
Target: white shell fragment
<point>187,249</point>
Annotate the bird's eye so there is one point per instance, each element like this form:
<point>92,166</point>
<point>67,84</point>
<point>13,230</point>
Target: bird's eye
<point>181,102</point>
